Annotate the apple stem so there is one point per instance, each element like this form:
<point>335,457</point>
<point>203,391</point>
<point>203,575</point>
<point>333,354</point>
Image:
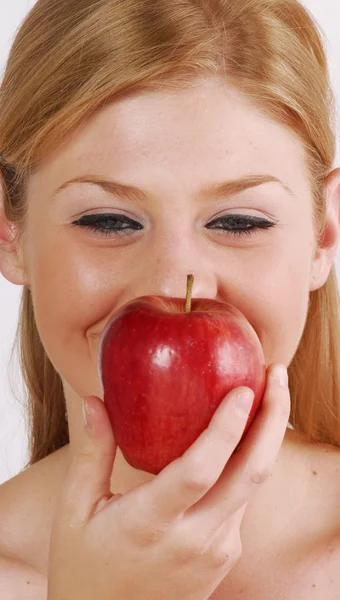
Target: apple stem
<point>190,281</point>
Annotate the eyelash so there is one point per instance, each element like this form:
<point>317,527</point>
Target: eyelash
<point>95,223</point>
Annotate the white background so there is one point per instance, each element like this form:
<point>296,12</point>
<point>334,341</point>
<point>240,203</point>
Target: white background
<point>13,438</point>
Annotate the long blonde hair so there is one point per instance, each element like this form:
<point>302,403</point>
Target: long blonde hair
<point>70,58</point>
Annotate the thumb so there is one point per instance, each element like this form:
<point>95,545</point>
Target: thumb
<point>87,483</point>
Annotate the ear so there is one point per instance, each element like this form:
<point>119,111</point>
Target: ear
<point>11,252</point>
<point>326,250</point>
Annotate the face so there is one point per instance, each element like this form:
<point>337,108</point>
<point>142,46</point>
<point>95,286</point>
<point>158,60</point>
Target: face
<point>254,248</point>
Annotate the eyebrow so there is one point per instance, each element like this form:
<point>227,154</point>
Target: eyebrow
<point>209,191</point>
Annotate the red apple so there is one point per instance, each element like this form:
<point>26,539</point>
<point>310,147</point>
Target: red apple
<point>165,366</point>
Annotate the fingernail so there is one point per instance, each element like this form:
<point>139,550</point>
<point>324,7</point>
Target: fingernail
<point>244,401</point>
<point>280,375</point>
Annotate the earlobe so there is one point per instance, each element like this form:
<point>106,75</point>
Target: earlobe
<point>12,264</point>
<point>326,250</point>
<point>11,259</point>
<point>11,270</point>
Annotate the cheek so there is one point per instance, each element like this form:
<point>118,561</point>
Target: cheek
<point>72,293</point>
<point>279,308</point>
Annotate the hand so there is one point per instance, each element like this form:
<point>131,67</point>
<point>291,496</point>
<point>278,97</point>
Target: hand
<point>176,536</point>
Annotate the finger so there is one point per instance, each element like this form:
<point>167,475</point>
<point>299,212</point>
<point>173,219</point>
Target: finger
<point>254,462</point>
<point>187,479</point>
<point>229,528</point>
<point>87,482</point>
<point>184,533</point>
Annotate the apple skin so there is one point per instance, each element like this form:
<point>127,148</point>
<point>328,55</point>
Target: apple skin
<point>165,371</point>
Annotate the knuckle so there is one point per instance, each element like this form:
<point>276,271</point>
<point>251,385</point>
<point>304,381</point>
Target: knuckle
<point>196,480</point>
<point>138,525</point>
<point>226,554</point>
<point>147,537</point>
<point>84,455</point>
<point>220,558</point>
<point>260,474</point>
<point>187,543</point>
<point>230,436</point>
<point>189,551</point>
<point>141,534</point>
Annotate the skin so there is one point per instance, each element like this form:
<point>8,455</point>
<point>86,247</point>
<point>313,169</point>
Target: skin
<point>170,145</point>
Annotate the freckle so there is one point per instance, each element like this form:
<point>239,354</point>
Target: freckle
<point>313,585</point>
<point>28,582</point>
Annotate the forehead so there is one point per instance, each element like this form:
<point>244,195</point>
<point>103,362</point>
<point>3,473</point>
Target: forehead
<point>209,129</point>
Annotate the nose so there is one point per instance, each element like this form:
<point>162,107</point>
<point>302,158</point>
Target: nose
<point>164,272</point>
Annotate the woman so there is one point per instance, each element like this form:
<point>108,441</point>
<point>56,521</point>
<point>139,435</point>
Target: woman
<point>201,136</point>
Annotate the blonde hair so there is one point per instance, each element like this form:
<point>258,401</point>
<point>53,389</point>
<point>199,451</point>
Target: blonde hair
<point>71,58</point>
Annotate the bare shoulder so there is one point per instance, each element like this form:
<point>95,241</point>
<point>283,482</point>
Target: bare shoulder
<point>317,481</point>
<point>315,557</point>
<point>291,531</point>
<point>27,504</point>
<point>18,581</point>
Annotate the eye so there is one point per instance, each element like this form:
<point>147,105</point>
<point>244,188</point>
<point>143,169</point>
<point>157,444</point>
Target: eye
<point>108,224</point>
<point>238,225</point>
